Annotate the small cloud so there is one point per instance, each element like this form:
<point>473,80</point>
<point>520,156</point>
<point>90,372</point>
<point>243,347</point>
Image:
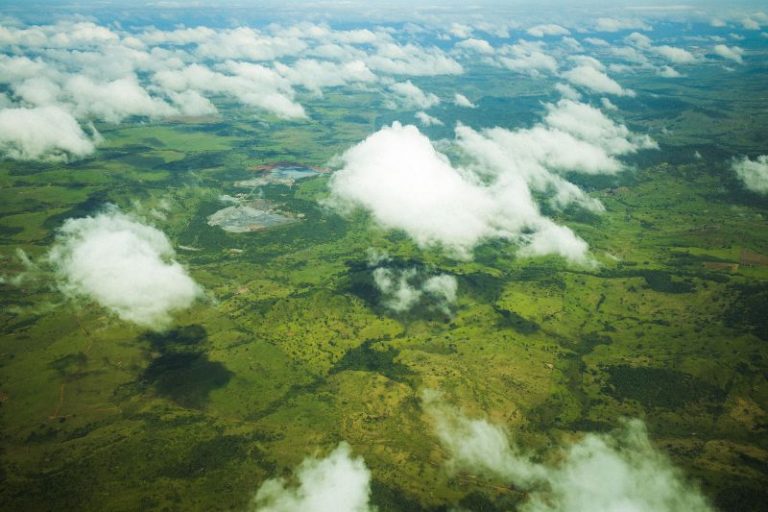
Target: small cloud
<point>428,120</point>
<point>753,173</point>
<point>596,41</point>
<point>403,289</point>
<point>462,101</point>
<point>717,23</point>
<point>675,55</point>
<point>733,53</point>
<point>336,483</point>
<point>608,104</point>
<point>549,29</point>
<point>668,72</point>
<point>475,45</point>
<point>750,24</point>
<point>125,266</point>
<point>568,92</point>
<point>411,96</point>
<point>595,80</point>
<point>616,25</point>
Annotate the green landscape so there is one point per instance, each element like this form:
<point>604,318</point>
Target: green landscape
<point>293,344</point>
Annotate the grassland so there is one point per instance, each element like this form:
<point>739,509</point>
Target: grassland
<point>291,353</point>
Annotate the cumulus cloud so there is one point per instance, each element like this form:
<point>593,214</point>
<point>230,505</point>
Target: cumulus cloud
<point>405,183</point>
<point>125,266</point>
<point>675,55</point>
<point>316,75</point>
<point>339,482</point>
<point>549,29</point>
<point>733,53</point>
<point>413,60</point>
<point>595,80</point>
<point>527,57</point>
<point>616,25</point>
<point>599,473</point>
<point>475,45</point>
<point>462,101</point>
<point>42,133</point>
<point>753,173</point>
<point>409,95</point>
<point>428,120</point>
<point>403,289</point>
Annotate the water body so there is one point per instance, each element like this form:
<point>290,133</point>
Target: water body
<point>245,218</point>
<point>281,175</point>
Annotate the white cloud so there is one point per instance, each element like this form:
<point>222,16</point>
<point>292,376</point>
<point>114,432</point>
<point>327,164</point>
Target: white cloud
<point>753,173</point>
<point>125,266</point>
<point>251,84</point>
<point>337,483</point>
<point>675,55</point>
<point>42,133</point>
<point>616,25</point>
<point>406,184</point>
<point>568,92</point>
<point>750,24</point>
<point>462,101</point>
<point>717,23</point>
<point>402,289</point>
<point>527,57</point>
<point>638,39</point>
<point>411,96</point>
<point>595,80</point>
<point>475,45</point>
<point>599,473</point>
<point>315,75</point>
<point>549,29</point>
<point>733,53</point>
<point>596,41</point>
<point>413,60</point>
<point>668,72</point>
<point>428,120</point>
<point>608,104</point>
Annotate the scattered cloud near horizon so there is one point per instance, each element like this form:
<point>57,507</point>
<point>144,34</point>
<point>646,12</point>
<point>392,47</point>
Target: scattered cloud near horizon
<point>124,265</point>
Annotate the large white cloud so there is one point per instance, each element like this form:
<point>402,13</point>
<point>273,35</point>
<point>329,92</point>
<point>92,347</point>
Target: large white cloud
<point>753,173</point>
<point>336,483</point>
<point>614,472</point>
<point>125,266</point>
<point>47,133</point>
<point>405,183</point>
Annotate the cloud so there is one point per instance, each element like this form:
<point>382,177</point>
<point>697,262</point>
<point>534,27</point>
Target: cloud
<point>598,473</point>
<point>125,266</point>
<point>675,55</point>
<point>733,53</point>
<point>403,289</point>
<point>410,96</point>
<point>251,84</point>
<point>753,173</point>
<point>527,57</point>
<point>316,75</point>
<point>595,80</point>
<point>428,120</point>
<point>616,25</point>
<point>475,45</point>
<point>462,101</point>
<point>549,29</point>
<point>568,92</point>
<point>42,133</point>
<point>413,60</point>
<point>405,183</point>
<point>336,483</point>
